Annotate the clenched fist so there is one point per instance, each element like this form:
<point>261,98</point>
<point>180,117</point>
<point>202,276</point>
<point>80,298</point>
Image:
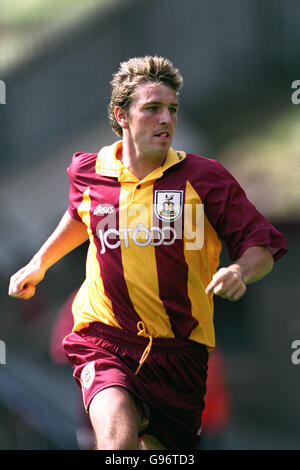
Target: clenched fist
<point>22,283</point>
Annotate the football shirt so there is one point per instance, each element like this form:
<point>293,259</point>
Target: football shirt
<point>155,243</point>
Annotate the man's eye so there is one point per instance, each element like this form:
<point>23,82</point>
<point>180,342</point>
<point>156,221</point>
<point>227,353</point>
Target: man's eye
<point>173,110</point>
<point>152,108</point>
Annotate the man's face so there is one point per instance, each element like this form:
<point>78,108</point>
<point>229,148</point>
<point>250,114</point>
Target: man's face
<point>152,118</point>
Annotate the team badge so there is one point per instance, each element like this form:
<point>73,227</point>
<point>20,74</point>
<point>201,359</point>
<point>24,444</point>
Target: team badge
<point>168,205</point>
<point>88,375</point>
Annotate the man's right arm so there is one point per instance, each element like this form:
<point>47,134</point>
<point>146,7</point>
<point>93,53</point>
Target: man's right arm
<point>67,236</point>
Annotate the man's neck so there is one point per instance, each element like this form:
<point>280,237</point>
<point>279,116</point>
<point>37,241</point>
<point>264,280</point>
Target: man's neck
<point>139,164</point>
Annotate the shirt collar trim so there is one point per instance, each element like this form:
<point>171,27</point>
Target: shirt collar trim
<point>107,163</point>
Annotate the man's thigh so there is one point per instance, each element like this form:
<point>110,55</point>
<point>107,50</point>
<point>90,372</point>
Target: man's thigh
<point>116,419</point>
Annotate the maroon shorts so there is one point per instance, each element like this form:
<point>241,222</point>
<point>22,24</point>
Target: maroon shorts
<point>171,382</point>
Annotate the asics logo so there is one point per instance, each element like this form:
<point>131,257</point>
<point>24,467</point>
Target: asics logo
<point>104,209</point>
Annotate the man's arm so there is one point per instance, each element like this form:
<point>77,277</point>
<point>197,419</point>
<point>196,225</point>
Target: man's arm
<point>230,282</point>
<point>67,236</point>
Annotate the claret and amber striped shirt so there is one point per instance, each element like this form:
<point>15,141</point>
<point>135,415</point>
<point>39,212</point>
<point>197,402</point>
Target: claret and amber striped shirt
<point>155,243</point>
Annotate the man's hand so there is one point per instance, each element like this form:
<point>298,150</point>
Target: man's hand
<point>230,283</point>
<point>67,236</point>
<point>227,283</point>
<point>22,283</point>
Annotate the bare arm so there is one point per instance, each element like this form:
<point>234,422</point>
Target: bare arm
<point>230,282</point>
<point>67,236</point>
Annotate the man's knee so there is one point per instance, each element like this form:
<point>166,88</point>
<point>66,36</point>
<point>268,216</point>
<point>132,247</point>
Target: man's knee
<point>115,419</point>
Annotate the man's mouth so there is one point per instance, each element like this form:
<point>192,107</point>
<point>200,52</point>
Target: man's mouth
<point>162,135</point>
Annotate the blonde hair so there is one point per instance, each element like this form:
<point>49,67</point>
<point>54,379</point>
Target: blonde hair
<point>135,72</point>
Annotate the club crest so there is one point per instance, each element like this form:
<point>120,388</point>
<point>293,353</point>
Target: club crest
<point>168,205</point>
<point>88,375</point>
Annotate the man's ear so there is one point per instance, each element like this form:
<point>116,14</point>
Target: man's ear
<point>121,116</point>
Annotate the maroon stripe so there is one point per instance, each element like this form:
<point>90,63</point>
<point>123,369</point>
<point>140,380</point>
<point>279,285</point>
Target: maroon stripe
<point>110,261</point>
<point>172,269</point>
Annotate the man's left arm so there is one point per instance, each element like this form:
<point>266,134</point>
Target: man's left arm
<point>230,282</point>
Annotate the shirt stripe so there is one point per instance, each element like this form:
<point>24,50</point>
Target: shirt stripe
<point>110,261</point>
<point>139,261</point>
<point>201,263</point>
<point>91,302</point>
<point>172,272</point>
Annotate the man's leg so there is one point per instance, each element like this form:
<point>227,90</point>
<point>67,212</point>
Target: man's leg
<point>116,419</point>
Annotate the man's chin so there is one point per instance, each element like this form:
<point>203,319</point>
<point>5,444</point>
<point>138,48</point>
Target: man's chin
<point>156,152</point>
<point>162,148</point>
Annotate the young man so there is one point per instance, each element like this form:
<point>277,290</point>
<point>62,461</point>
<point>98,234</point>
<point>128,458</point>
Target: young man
<point>143,318</point>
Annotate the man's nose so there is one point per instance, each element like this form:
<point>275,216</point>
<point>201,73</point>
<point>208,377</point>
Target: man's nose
<point>165,116</point>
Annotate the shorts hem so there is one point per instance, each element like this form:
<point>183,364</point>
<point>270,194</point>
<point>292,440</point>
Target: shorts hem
<point>114,384</point>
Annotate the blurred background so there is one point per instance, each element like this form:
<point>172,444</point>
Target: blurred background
<point>239,59</point>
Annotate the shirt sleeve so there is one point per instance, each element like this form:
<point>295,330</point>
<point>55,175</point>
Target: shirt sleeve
<point>81,174</point>
<point>236,219</point>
